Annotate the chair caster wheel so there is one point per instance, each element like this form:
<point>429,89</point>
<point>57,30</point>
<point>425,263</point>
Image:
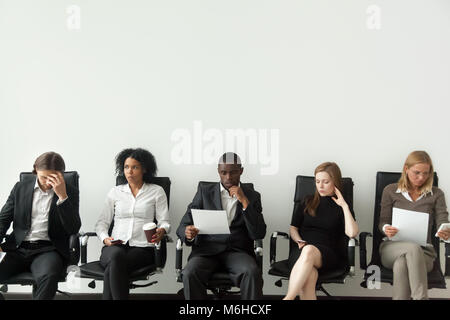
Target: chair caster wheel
<point>92,284</point>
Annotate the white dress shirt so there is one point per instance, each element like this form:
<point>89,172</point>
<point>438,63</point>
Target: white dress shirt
<point>42,201</point>
<point>130,213</point>
<point>228,203</point>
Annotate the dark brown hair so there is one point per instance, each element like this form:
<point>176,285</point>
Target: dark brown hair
<point>333,170</point>
<point>49,161</point>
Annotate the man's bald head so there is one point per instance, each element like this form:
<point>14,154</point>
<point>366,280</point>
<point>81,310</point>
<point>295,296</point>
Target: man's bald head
<point>230,169</point>
<point>230,158</point>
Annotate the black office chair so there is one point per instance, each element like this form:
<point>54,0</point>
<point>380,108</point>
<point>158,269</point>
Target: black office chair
<point>94,270</point>
<point>220,283</point>
<point>26,278</point>
<point>305,186</point>
<point>435,277</point>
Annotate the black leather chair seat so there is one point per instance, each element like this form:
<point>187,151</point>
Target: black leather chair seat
<point>281,269</point>
<point>26,279</point>
<point>94,270</point>
<point>435,277</point>
<point>337,275</point>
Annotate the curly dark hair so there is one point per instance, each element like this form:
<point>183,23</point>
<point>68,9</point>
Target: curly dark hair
<point>145,158</point>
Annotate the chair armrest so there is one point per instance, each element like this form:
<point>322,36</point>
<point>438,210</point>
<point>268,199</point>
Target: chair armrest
<point>447,259</point>
<point>84,237</point>
<point>258,247</point>
<point>363,250</point>
<point>352,242</point>
<point>273,244</point>
<point>74,249</point>
<point>179,259</point>
<point>161,253</point>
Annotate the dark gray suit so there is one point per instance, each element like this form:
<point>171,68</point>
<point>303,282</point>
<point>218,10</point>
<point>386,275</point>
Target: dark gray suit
<point>232,253</point>
<point>46,260</point>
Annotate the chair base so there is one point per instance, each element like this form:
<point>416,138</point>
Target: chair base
<point>132,285</point>
<point>221,293</point>
<point>319,287</point>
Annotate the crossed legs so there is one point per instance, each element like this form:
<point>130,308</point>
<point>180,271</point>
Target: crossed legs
<point>410,266</point>
<point>304,274</point>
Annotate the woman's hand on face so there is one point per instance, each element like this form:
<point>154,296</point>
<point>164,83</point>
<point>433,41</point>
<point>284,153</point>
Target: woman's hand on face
<point>340,199</point>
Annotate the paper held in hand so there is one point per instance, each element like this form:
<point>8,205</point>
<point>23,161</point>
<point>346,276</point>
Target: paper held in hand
<point>412,226</point>
<point>210,221</point>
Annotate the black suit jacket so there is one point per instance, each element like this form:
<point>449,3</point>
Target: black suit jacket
<point>63,220</point>
<point>244,229</point>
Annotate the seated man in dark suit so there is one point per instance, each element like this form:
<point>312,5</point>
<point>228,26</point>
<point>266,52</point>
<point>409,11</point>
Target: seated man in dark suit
<point>231,252</point>
<point>45,213</point>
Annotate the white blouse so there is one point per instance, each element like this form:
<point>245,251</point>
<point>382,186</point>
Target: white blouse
<point>130,213</point>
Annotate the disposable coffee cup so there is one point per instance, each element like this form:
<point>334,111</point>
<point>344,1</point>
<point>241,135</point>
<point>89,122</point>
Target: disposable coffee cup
<point>150,230</point>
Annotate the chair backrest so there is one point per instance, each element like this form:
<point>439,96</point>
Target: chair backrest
<point>163,182</point>
<point>70,177</point>
<point>306,186</point>
<point>384,179</point>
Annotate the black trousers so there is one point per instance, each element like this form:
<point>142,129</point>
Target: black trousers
<point>44,262</point>
<point>243,270</point>
<point>119,261</point>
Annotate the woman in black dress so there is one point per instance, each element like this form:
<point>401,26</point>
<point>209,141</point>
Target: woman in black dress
<point>316,226</point>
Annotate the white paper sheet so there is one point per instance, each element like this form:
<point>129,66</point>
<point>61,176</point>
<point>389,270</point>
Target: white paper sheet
<point>210,221</point>
<point>412,226</point>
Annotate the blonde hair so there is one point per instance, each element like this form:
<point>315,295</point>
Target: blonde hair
<point>414,158</point>
<point>335,174</point>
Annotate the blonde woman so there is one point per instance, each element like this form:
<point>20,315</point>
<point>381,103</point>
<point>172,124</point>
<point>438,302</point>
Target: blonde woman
<point>409,261</point>
<point>317,227</point>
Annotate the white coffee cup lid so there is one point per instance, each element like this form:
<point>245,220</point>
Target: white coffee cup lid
<point>149,226</point>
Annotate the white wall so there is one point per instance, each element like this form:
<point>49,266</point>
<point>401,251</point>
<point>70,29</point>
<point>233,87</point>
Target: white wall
<point>138,71</point>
